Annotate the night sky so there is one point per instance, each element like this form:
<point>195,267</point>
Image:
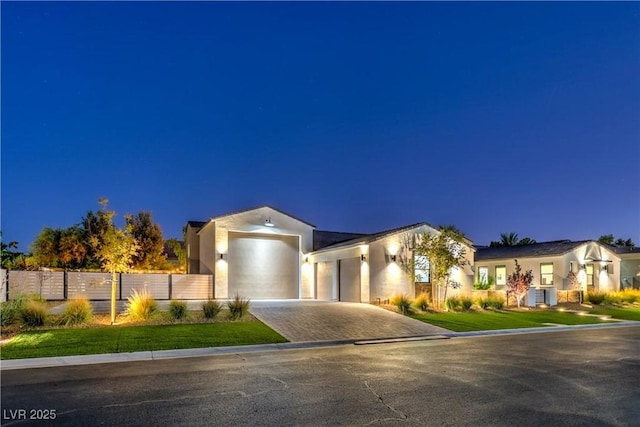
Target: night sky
<point>494,117</point>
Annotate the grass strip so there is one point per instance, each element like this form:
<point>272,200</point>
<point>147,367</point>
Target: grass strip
<point>485,321</point>
<point>124,339</point>
<point>627,313</point>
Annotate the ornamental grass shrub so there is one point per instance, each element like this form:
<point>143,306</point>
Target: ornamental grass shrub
<point>492,301</point>
<point>34,313</point>
<point>422,302</point>
<point>77,311</point>
<point>627,296</point>
<point>10,310</point>
<point>402,303</point>
<point>178,309</point>
<point>596,298</point>
<point>211,308</point>
<point>460,303</point>
<point>141,305</point>
<point>238,307</point>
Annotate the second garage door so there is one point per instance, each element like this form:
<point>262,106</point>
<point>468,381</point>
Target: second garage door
<point>263,266</point>
<point>350,280</point>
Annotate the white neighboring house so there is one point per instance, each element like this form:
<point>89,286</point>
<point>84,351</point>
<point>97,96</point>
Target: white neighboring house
<point>596,265</point>
<point>629,266</point>
<point>265,253</point>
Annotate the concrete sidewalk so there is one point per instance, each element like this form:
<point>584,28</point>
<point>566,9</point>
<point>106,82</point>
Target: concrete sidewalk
<point>49,362</point>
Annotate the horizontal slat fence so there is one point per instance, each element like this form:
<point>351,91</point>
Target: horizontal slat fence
<point>60,285</point>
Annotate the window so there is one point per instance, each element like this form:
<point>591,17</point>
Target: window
<point>501,275</point>
<point>589,274</point>
<point>483,275</point>
<point>546,274</point>
<point>421,269</point>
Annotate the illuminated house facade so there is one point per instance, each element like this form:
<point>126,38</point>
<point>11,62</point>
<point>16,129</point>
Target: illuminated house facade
<point>265,253</point>
<point>597,266</point>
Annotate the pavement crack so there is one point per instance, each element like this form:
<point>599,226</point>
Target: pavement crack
<point>401,415</point>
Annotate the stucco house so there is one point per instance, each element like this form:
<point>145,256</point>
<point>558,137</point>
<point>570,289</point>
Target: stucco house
<point>596,265</point>
<point>265,253</point>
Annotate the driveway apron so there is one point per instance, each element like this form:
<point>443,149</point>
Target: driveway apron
<point>302,321</point>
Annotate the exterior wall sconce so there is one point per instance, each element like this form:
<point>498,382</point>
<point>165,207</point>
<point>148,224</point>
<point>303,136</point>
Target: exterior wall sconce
<point>363,257</point>
<point>221,257</point>
<point>605,267</point>
<point>306,259</point>
<point>583,266</point>
<point>392,258</point>
<point>268,223</point>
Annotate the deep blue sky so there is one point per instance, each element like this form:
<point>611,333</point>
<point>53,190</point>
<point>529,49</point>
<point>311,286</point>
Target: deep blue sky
<point>495,117</point>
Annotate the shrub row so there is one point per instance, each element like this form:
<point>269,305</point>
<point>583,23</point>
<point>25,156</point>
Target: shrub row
<point>627,296</point>
<point>405,305</point>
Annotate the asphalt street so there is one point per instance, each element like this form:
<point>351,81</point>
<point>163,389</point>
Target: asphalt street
<point>572,378</point>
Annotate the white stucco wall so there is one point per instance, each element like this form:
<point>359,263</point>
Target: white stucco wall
<point>214,240</point>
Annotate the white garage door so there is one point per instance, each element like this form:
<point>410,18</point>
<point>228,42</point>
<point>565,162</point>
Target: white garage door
<point>263,266</point>
<point>350,280</point>
<point>324,279</point>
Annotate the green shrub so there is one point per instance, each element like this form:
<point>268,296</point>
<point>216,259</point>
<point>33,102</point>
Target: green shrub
<point>141,305</point>
<point>34,313</point>
<point>596,298</point>
<point>238,307</point>
<point>466,303</point>
<point>77,311</point>
<point>611,298</point>
<point>627,296</point>
<point>481,286</point>
<point>402,303</point>
<point>492,301</point>
<point>178,309</point>
<point>453,304</point>
<point>422,302</point>
<point>10,310</point>
<point>211,308</point>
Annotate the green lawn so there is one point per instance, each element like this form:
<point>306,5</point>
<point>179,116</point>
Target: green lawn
<point>123,339</point>
<point>483,321</point>
<point>627,313</point>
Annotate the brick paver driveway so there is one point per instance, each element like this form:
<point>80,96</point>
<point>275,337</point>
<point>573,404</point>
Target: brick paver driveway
<point>300,321</point>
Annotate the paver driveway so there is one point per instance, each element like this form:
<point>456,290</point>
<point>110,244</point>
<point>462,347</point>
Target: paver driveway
<point>300,321</point>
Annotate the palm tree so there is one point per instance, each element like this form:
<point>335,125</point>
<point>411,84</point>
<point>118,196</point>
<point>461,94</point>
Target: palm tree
<point>526,241</point>
<point>510,239</point>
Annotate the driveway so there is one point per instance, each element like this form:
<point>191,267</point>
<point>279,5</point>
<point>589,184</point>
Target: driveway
<point>301,321</point>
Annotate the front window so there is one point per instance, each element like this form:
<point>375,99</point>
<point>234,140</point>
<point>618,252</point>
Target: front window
<point>546,274</point>
<point>422,269</point>
<point>589,269</point>
<point>501,275</point>
<point>483,275</point>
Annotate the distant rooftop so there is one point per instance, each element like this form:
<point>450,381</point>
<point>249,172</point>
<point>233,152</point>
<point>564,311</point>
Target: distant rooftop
<point>556,247</point>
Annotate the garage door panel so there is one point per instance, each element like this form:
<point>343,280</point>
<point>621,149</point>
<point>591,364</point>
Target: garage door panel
<point>350,280</point>
<point>324,279</point>
<point>263,266</point>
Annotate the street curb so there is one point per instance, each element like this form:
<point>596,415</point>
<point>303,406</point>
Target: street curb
<point>60,361</point>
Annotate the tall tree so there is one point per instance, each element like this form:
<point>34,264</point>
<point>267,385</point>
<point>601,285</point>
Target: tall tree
<point>45,249</point>
<point>606,238</point>
<point>148,236</point>
<point>73,247</point>
<point>115,249</point>
<point>511,239</point>
<point>444,252</point>
<point>519,283</point>
<point>10,257</point>
<point>609,239</point>
<point>181,252</point>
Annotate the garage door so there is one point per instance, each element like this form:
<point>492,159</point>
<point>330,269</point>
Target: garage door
<point>350,280</point>
<point>263,266</point>
<point>324,279</point>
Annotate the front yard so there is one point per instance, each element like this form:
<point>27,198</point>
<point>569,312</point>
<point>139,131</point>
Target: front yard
<point>493,320</point>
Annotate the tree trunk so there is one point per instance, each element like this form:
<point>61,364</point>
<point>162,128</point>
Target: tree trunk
<point>114,292</point>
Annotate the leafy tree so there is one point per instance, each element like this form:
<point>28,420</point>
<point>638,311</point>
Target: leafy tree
<point>73,247</point>
<point>10,257</point>
<point>148,236</point>
<point>519,283</point>
<point>45,249</point>
<point>95,225</point>
<point>115,248</point>
<point>181,252</point>
<point>444,252</point>
<point>452,228</point>
<point>609,239</point>
<point>511,239</point>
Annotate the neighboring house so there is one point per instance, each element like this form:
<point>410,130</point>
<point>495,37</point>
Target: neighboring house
<point>596,265</point>
<point>629,266</point>
<point>267,253</point>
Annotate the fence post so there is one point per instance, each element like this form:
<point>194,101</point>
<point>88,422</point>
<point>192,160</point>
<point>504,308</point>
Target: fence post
<point>170,284</point>
<point>65,286</point>
<point>6,282</point>
<point>119,286</point>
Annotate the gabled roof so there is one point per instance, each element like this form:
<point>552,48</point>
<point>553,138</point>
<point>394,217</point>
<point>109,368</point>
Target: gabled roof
<point>196,224</point>
<point>368,238</point>
<point>623,249</point>
<point>557,247</point>
<point>254,209</point>
<point>323,238</point>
